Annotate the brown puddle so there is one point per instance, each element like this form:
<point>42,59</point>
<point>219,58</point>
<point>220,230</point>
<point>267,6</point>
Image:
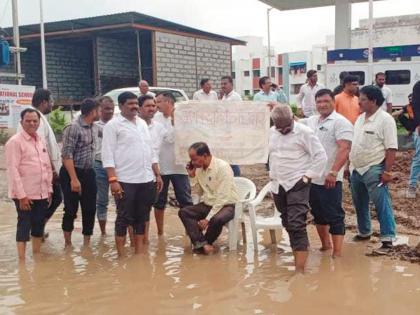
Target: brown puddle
<point>171,280</point>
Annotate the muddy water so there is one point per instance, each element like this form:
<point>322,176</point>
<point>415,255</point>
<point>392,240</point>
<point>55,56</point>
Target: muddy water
<point>171,280</point>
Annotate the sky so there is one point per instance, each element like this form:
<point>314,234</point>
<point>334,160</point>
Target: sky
<point>290,30</point>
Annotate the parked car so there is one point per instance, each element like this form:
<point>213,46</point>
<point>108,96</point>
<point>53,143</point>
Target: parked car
<point>179,95</point>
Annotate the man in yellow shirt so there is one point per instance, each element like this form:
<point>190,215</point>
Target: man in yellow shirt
<point>347,103</point>
<point>214,178</point>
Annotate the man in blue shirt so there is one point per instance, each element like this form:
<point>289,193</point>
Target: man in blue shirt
<point>266,94</point>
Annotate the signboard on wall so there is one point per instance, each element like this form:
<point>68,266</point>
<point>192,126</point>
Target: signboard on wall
<point>13,100</point>
<point>388,52</point>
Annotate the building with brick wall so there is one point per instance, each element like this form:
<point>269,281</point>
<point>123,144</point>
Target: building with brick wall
<point>90,56</point>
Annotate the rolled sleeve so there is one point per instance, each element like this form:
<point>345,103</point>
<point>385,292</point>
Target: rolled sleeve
<point>13,157</point>
<point>70,138</point>
<point>344,130</point>
<point>318,155</point>
<point>155,157</point>
<point>109,142</point>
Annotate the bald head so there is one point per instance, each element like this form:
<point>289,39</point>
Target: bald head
<point>282,117</point>
<point>143,86</point>
<point>282,112</point>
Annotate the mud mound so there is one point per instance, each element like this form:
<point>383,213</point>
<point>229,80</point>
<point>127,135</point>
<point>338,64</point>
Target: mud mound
<point>403,252</point>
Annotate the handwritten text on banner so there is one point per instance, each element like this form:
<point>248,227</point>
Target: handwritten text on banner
<point>235,131</point>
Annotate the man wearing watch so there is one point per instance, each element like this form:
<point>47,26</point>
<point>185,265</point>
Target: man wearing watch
<point>296,158</point>
<point>371,159</point>
<point>335,133</point>
<point>131,165</point>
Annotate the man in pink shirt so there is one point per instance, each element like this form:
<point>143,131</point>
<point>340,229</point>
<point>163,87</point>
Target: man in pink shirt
<point>30,181</point>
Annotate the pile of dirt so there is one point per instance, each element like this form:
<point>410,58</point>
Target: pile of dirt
<point>407,211</point>
<point>403,252</point>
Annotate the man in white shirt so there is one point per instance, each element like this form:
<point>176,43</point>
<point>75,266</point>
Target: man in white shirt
<point>144,88</point>
<point>230,95</point>
<point>296,157</point>
<point>372,156</point>
<point>131,165</point>
<point>106,104</point>
<point>380,79</point>
<point>226,86</point>
<point>206,93</point>
<point>42,101</point>
<point>171,172</point>
<point>335,133</point>
<point>158,133</point>
<point>306,97</point>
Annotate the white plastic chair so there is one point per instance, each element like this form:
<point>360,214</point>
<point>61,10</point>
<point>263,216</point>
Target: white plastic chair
<point>258,222</point>
<point>246,190</point>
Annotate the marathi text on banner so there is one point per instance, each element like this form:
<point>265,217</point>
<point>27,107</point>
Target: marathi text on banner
<point>236,131</point>
<point>13,100</point>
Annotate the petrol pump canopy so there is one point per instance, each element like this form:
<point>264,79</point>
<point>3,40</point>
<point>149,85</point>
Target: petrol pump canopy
<point>285,5</point>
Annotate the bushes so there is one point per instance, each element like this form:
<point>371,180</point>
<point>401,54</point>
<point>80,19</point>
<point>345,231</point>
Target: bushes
<point>58,121</point>
<point>294,109</point>
<point>4,136</point>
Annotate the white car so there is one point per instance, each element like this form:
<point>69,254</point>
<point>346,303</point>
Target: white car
<point>178,94</point>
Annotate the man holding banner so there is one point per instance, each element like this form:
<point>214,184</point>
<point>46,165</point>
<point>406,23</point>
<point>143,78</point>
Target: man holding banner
<point>230,95</point>
<point>171,171</point>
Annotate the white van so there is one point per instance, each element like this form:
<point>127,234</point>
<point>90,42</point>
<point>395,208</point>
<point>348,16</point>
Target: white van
<point>400,76</point>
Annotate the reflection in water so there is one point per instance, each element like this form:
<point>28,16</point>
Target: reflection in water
<point>172,280</point>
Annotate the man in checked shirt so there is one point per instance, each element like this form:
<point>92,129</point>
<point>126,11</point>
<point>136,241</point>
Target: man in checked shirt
<point>77,175</point>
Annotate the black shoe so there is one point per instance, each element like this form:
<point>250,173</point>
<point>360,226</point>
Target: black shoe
<point>386,245</point>
<point>359,238</point>
<point>384,249</point>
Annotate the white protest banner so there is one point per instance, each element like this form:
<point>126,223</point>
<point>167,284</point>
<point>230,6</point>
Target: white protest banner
<point>13,100</point>
<point>236,131</point>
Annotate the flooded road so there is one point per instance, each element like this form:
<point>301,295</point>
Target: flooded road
<point>171,280</point>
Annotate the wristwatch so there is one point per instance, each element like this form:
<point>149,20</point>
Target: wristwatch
<point>332,173</point>
<point>306,179</point>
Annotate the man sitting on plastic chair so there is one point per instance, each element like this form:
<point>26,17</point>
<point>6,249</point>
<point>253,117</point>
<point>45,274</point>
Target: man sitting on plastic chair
<point>214,178</point>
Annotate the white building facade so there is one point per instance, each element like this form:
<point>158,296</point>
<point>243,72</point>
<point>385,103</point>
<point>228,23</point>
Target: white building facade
<point>289,69</point>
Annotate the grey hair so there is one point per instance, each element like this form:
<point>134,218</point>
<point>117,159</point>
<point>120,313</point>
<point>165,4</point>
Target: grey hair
<point>142,80</point>
<point>281,111</point>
